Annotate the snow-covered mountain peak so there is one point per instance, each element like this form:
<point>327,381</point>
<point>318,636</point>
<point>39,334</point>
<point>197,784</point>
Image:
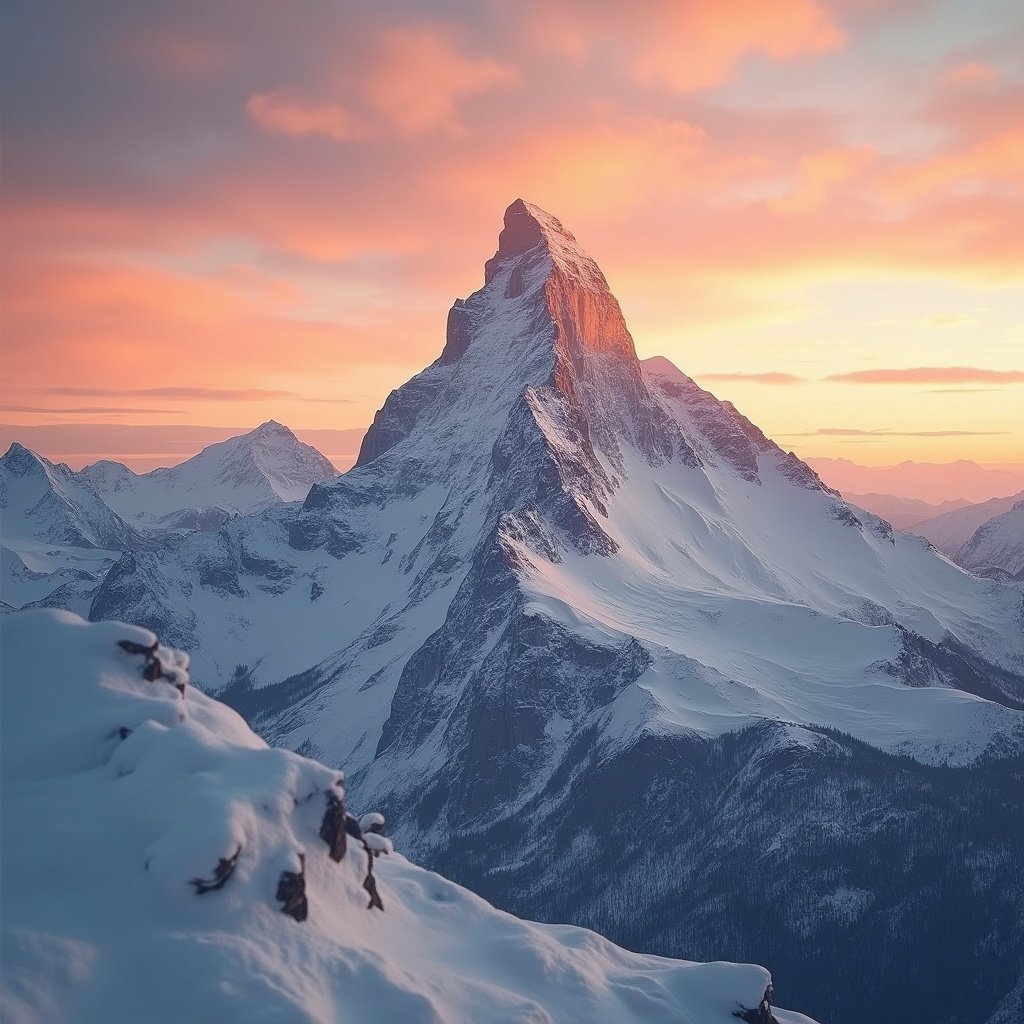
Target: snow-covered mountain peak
<point>22,461</point>
<point>43,501</point>
<point>272,430</point>
<point>659,366</point>
<point>528,228</point>
<point>252,471</point>
<point>544,335</point>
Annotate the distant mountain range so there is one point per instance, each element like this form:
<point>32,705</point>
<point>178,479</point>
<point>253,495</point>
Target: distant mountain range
<point>933,483</point>
<point>967,533</point>
<point>61,530</point>
<point>147,446</point>
<point>899,511</point>
<point>950,531</point>
<point>266,466</point>
<point>996,548</point>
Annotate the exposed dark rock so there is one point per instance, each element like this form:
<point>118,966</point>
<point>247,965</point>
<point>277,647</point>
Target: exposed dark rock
<point>762,1013</point>
<point>133,648</point>
<point>221,873</point>
<point>332,829</point>
<point>458,333</point>
<point>291,892</point>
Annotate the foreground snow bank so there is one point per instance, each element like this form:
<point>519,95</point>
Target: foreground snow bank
<point>126,792</point>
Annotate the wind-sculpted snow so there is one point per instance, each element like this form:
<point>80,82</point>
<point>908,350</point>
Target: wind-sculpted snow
<point>147,832</point>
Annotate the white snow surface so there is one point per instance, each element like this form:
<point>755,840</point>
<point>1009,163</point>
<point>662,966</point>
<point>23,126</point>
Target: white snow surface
<point>253,471</point>
<point>102,836</point>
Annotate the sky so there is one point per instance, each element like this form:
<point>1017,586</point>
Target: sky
<point>219,213</point>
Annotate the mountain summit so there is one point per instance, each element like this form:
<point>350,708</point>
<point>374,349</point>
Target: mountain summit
<point>46,502</point>
<point>257,469</point>
<point>578,612</point>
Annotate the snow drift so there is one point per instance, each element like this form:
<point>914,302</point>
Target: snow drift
<point>128,795</point>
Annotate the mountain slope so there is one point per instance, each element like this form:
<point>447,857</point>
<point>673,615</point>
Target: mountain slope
<point>266,466</point>
<point>561,592</point>
<point>121,795</point>
<point>952,530</point>
<point>997,547</point>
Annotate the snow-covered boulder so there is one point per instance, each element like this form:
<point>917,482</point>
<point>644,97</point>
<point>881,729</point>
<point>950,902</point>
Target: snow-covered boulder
<point>152,841</point>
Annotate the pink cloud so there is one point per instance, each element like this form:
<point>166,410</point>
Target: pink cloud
<point>418,75</point>
<point>686,45</point>
<point>972,73</point>
<point>930,375</point>
<point>1000,158</point>
<point>820,173</point>
<point>286,111</point>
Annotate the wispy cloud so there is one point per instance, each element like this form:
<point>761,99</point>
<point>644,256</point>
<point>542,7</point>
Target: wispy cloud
<point>884,433</point>
<point>216,394</point>
<point>930,375</point>
<point>959,391</point>
<point>755,378</point>
<point>92,409</point>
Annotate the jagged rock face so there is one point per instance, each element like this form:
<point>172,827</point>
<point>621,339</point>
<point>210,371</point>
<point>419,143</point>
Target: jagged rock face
<point>553,560</point>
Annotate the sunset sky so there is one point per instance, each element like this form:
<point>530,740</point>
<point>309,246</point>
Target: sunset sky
<point>219,213</point>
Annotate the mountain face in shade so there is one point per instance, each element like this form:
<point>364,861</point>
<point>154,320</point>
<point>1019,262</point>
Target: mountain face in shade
<point>951,530</point>
<point>655,675</point>
<point>45,502</point>
<point>266,466</point>
<point>997,546</point>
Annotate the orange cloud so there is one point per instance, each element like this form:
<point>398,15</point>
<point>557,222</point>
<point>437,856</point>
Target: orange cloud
<point>705,40</point>
<point>610,162</point>
<point>418,74</point>
<point>819,173</point>
<point>687,45</point>
<point>286,111</point>
<point>972,73</point>
<point>995,159</point>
